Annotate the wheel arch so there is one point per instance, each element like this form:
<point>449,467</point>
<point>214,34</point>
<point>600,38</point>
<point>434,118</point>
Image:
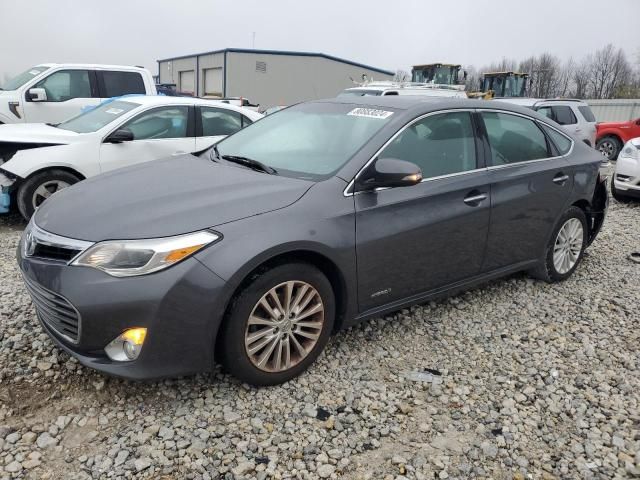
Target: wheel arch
<point>64,168</point>
<point>322,262</point>
<point>594,209</point>
<point>610,133</point>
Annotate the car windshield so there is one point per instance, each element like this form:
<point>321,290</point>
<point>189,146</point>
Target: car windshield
<point>24,77</point>
<point>310,140</point>
<point>360,93</point>
<point>98,117</point>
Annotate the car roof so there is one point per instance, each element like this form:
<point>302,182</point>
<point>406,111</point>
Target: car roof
<point>529,102</point>
<point>170,100</point>
<point>419,104</point>
<point>95,66</point>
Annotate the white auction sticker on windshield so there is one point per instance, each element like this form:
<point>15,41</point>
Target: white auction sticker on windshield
<point>114,111</point>
<point>370,113</point>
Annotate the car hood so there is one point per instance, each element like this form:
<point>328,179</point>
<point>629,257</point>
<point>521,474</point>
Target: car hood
<point>614,124</point>
<point>36,133</point>
<point>165,197</point>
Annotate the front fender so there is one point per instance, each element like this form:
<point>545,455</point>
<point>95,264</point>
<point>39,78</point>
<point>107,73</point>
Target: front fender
<point>80,157</point>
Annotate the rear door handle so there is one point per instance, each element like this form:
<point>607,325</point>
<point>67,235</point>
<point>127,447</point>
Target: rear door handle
<point>560,179</point>
<point>474,200</point>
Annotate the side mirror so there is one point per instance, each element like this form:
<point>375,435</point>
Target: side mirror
<point>387,173</point>
<point>638,122</point>
<point>37,95</point>
<point>119,136</point>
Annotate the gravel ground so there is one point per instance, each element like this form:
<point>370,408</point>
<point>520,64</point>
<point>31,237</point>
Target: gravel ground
<point>517,379</point>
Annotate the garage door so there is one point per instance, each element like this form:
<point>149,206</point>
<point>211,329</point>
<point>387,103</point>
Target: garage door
<point>187,82</point>
<point>213,81</point>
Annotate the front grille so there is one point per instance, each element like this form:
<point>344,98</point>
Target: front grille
<point>55,311</point>
<point>52,252</point>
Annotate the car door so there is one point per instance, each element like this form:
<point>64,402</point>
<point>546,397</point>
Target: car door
<point>158,132</point>
<point>415,239</point>
<point>68,93</point>
<point>530,186</point>
<point>213,124</point>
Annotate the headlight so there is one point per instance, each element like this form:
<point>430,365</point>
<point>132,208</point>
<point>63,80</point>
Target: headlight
<point>127,258</point>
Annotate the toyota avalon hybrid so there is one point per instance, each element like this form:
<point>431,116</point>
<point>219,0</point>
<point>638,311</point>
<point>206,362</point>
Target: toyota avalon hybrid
<point>328,213</point>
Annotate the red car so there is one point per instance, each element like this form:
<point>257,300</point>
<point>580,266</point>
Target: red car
<point>611,136</point>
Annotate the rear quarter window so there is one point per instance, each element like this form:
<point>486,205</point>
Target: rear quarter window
<point>586,112</point>
<point>122,83</point>
<point>562,143</point>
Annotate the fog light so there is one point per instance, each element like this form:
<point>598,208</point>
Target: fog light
<point>127,346</point>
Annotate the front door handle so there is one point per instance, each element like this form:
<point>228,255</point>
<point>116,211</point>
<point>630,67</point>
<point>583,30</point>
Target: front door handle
<point>475,199</point>
<point>560,178</point>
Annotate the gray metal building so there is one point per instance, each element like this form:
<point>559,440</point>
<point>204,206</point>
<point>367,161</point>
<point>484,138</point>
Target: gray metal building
<point>267,77</point>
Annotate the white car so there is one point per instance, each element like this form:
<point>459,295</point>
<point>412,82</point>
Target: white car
<point>574,116</point>
<point>625,183</point>
<point>36,160</point>
<point>54,92</point>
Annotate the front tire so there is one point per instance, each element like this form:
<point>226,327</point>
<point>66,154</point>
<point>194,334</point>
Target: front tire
<point>37,188</point>
<point>278,325</point>
<point>609,147</point>
<point>565,249</point>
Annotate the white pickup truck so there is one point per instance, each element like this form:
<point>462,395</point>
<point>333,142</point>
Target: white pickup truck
<point>52,93</point>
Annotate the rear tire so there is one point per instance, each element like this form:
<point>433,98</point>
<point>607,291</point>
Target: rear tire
<point>37,188</point>
<point>609,147</point>
<point>255,340</point>
<point>615,193</point>
<point>565,248</point>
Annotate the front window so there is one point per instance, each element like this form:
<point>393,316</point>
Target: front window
<point>24,77</point>
<point>66,85</point>
<point>311,140</point>
<point>160,123</point>
<point>96,118</point>
<point>360,92</point>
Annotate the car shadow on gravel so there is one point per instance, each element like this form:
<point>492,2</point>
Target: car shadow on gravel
<point>12,222</point>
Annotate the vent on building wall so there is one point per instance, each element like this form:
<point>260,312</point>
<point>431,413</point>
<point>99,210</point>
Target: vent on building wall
<point>261,67</point>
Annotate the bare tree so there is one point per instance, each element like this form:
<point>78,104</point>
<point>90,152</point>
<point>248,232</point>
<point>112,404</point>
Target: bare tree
<point>610,70</point>
<point>580,78</point>
<point>402,76</point>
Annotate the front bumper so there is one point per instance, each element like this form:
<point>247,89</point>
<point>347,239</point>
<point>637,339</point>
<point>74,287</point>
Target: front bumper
<point>181,307</point>
<point>627,174</point>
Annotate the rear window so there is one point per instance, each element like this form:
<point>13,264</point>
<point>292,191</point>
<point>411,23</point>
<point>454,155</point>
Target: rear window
<point>587,113</point>
<point>122,83</point>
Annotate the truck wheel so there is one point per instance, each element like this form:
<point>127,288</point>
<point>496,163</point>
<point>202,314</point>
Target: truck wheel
<point>609,147</point>
<point>37,188</point>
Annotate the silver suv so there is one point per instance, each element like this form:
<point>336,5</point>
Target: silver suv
<point>575,116</point>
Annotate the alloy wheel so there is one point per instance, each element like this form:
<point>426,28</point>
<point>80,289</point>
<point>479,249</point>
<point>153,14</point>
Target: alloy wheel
<point>45,190</point>
<point>284,326</point>
<point>568,245</point>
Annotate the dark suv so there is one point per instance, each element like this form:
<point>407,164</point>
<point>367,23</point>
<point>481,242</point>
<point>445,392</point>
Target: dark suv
<point>311,220</point>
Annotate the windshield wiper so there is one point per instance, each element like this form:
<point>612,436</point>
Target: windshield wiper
<point>251,163</point>
<point>54,125</point>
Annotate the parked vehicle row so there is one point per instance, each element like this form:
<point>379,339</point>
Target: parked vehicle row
<point>310,220</point>
<point>37,160</point>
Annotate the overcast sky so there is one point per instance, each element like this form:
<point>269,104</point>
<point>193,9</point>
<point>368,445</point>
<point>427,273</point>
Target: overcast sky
<point>383,34</point>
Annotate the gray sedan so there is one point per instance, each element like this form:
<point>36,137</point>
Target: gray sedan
<point>329,213</point>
